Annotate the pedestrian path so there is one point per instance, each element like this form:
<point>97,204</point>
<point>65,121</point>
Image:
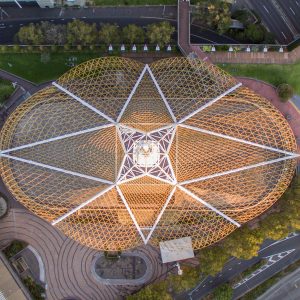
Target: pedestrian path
<point>68,265</point>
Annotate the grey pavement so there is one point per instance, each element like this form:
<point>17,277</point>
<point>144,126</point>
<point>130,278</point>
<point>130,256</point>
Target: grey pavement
<point>288,288</point>
<point>296,100</point>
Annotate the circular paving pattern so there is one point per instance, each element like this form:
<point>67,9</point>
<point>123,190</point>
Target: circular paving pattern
<point>117,153</point>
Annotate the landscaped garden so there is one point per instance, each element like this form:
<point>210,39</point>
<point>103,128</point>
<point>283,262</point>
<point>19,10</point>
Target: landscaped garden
<point>272,73</point>
<point>6,89</point>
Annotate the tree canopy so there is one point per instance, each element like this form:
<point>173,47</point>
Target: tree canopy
<point>160,33</point>
<point>214,14</point>
<point>109,34</point>
<point>285,91</point>
<point>133,34</point>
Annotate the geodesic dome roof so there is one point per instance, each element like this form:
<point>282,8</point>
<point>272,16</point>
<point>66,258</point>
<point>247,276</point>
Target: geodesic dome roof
<point>117,153</point>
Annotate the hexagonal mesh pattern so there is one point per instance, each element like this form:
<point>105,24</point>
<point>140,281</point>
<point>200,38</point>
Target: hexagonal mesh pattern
<point>116,154</point>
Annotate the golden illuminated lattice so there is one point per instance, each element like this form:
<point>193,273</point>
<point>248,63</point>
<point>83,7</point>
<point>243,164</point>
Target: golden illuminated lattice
<point>116,153</point>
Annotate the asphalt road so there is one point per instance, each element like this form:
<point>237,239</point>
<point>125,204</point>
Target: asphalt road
<point>272,19</point>
<point>287,288</point>
<point>236,266</point>
<point>122,16</point>
<point>292,10</point>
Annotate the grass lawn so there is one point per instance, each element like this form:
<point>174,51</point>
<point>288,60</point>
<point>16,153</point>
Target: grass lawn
<point>135,2</point>
<point>39,68</point>
<point>6,89</point>
<point>274,74</point>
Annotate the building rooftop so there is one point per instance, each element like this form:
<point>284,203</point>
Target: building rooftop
<point>117,153</point>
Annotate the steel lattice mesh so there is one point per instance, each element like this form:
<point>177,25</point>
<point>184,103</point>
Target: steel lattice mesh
<point>116,153</point>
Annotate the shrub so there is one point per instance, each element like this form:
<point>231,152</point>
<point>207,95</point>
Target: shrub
<point>14,248</point>
<point>16,48</point>
<point>285,92</point>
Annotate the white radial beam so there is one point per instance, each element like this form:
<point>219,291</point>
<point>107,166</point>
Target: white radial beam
<point>161,93</point>
<point>209,206</point>
<point>131,94</point>
<point>160,214</point>
<point>121,167</point>
<point>265,163</point>
<point>97,111</point>
<point>236,139</point>
<point>210,102</point>
<point>172,138</point>
<point>131,179</point>
<point>60,137</point>
<point>159,129</point>
<point>85,203</point>
<point>131,214</point>
<point>161,179</point>
<point>55,168</point>
<point>171,168</point>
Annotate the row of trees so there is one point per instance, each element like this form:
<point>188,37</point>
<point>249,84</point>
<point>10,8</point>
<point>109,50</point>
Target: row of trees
<point>244,243</point>
<point>78,32</point>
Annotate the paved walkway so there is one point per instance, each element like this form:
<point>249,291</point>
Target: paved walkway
<point>68,265</point>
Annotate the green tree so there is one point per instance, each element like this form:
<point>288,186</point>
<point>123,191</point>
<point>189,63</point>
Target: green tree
<point>214,14</point>
<point>285,91</point>
<point>109,34</point>
<point>223,292</point>
<point>160,33</point>
<point>255,33</point>
<point>30,35</point>
<point>189,278</point>
<point>54,34</point>
<point>79,32</point>
<point>152,292</point>
<point>212,259</point>
<point>133,34</point>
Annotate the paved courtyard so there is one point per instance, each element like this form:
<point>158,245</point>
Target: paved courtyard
<point>68,265</point>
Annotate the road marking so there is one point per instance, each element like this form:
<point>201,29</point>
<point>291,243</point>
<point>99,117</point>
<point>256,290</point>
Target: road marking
<point>229,269</point>
<point>283,35</point>
<point>272,259</point>
<point>292,11</point>
<point>297,3</point>
<point>266,9</point>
